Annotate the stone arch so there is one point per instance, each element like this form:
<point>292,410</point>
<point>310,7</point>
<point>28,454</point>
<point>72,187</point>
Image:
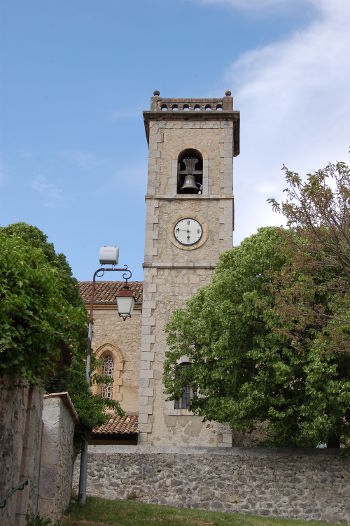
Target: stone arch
<point>190,170</point>
<point>205,167</point>
<point>108,349</point>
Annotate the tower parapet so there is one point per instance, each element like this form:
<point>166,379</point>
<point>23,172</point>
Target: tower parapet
<point>198,105</point>
<point>207,108</point>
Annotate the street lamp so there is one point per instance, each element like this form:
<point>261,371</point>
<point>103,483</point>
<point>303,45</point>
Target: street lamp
<point>125,301</point>
<point>125,305</point>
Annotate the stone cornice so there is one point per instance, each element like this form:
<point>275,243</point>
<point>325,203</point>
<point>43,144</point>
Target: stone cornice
<point>193,197</point>
<point>233,116</point>
<point>192,266</point>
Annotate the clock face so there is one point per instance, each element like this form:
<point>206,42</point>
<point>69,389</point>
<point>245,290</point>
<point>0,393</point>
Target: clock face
<point>188,231</point>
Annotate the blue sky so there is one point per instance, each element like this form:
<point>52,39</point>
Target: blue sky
<point>76,75</point>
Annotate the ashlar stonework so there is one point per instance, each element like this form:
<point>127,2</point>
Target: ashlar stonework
<point>173,272</point>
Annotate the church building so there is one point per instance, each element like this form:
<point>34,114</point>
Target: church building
<point>189,222</point>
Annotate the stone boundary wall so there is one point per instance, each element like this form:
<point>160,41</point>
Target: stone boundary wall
<point>20,438</point>
<point>37,446</point>
<point>305,484</point>
<point>57,455</point>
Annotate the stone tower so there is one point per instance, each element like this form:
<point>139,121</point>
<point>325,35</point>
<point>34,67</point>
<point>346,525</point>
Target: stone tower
<point>189,222</point>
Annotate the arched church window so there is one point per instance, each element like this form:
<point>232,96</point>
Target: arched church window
<point>108,370</point>
<point>187,392</point>
<point>190,172</point>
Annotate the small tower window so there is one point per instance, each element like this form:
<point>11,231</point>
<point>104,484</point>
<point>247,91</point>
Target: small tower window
<point>108,370</point>
<point>187,392</point>
<point>190,172</point>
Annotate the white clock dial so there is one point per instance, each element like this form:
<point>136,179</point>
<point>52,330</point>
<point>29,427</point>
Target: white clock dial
<point>188,231</point>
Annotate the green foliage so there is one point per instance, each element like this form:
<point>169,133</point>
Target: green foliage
<point>43,322</point>
<point>246,364</point>
<point>102,512</point>
<point>90,408</point>
<point>38,521</point>
<point>37,321</point>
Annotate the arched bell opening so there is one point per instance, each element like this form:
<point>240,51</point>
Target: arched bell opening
<point>190,172</point>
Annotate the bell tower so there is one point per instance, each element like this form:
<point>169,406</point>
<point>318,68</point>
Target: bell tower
<point>189,222</point>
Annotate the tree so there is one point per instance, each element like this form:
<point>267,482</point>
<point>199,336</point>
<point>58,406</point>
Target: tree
<point>35,316</point>
<point>43,322</point>
<point>318,212</point>
<point>314,299</point>
<point>244,365</point>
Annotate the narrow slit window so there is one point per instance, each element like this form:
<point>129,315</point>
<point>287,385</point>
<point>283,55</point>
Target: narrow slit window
<point>187,392</point>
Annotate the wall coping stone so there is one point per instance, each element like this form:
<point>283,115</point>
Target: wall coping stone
<point>66,399</point>
<point>215,451</point>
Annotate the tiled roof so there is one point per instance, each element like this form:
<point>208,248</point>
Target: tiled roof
<point>118,425</point>
<point>105,291</point>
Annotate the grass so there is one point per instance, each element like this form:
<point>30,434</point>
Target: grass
<point>103,512</point>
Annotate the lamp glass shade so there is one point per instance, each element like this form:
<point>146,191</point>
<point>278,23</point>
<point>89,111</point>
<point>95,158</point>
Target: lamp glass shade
<point>125,302</point>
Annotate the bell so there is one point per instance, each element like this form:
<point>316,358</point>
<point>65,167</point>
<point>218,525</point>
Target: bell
<point>189,185</point>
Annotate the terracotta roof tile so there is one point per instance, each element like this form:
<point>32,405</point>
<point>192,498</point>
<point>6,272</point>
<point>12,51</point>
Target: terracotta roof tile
<point>118,425</point>
<point>105,291</point>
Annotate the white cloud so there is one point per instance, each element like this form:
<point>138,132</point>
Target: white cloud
<point>295,109</point>
<point>124,114</point>
<point>253,4</point>
<point>267,188</point>
<point>262,5</point>
<point>125,180</point>
<point>51,193</point>
<point>81,158</point>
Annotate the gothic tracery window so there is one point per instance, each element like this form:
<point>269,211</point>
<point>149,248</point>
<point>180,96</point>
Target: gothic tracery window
<point>108,370</point>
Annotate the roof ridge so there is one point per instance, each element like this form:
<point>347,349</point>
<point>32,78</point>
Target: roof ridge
<point>106,291</point>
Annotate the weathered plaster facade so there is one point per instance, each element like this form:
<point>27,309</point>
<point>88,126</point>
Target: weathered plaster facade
<point>20,440</point>
<point>36,447</point>
<point>57,455</point>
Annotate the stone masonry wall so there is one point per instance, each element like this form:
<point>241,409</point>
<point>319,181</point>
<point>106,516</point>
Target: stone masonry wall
<point>173,273</point>
<point>308,484</point>
<point>170,426</point>
<point>20,436</point>
<point>57,455</point>
<point>123,340</point>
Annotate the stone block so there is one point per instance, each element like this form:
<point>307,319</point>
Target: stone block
<point>143,418</point>
<point>145,428</point>
<point>148,391</point>
<point>147,356</point>
<point>146,373</point>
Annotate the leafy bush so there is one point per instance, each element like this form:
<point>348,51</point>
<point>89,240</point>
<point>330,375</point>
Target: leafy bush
<point>43,322</point>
